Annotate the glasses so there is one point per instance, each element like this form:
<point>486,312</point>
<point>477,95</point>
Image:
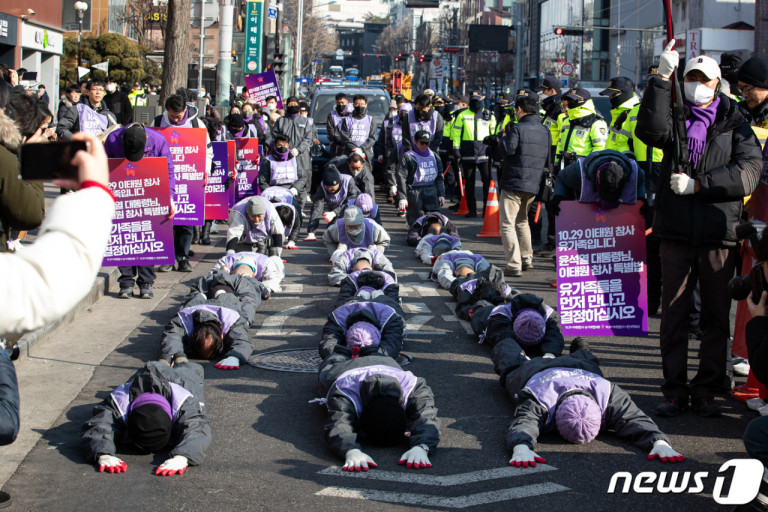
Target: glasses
<point>747,90</point>
<point>97,89</point>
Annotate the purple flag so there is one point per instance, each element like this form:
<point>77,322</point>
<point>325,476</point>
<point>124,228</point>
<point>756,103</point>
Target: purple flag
<point>217,191</point>
<point>142,233</point>
<point>248,159</point>
<point>262,85</point>
<point>602,287</point>
<point>187,146</point>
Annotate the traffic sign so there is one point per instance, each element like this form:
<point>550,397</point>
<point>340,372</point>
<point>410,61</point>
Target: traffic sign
<point>436,61</point>
<point>567,69</point>
<point>317,61</point>
<point>302,80</point>
<point>272,13</point>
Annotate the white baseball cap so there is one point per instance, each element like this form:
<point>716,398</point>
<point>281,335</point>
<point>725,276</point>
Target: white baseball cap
<point>706,65</point>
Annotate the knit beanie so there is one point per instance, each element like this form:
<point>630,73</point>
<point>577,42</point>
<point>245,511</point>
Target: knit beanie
<point>353,216</point>
<point>365,203</point>
<point>363,334</point>
<point>331,177</point>
<point>149,422</point>
<point>383,421</point>
<point>578,418</point>
<point>529,326</point>
<point>256,206</point>
<point>755,72</point>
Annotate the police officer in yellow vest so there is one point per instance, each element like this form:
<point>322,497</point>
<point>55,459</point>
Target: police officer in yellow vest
<point>551,103</point>
<point>138,96</point>
<point>450,112</point>
<point>584,130</point>
<point>470,128</point>
<point>621,94</point>
<point>753,83</point>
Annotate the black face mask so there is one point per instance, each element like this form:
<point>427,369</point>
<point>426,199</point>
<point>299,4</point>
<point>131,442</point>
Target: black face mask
<point>475,105</point>
<point>618,99</point>
<point>359,111</point>
<point>340,109</point>
<point>292,110</point>
<point>423,115</point>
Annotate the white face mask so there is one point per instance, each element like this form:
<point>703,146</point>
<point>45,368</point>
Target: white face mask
<point>698,93</point>
<point>111,87</point>
<point>354,232</point>
<point>542,96</point>
<point>272,106</point>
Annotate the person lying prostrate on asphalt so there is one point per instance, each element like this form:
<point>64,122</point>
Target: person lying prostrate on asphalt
<point>330,198</point>
<point>353,231</point>
<point>269,270</point>
<point>208,330</point>
<point>432,246</point>
<point>352,260</point>
<point>160,407</point>
<point>569,394</point>
<point>433,223</point>
<point>381,312</point>
<point>250,292</point>
<point>369,208</point>
<point>480,292</point>
<point>254,225</point>
<point>368,284</point>
<point>525,319</point>
<point>373,396</point>
<point>457,264</point>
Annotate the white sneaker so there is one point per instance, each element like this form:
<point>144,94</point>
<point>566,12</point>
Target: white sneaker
<point>741,368</point>
<point>755,403</point>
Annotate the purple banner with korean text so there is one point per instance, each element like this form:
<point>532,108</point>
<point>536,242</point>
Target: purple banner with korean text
<point>602,287</point>
<point>262,85</point>
<point>142,233</point>
<point>248,159</point>
<point>220,184</point>
<point>187,147</point>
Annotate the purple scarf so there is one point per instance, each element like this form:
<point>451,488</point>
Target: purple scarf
<point>421,153</point>
<point>697,125</point>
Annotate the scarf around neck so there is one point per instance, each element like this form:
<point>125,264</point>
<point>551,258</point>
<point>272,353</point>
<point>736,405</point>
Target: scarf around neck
<point>697,125</point>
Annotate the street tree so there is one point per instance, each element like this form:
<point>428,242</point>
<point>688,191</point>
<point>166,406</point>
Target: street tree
<point>176,54</point>
<point>396,39</point>
<point>318,38</point>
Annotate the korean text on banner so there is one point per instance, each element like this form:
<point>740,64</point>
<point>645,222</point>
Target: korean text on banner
<point>142,233</point>
<point>261,86</point>
<point>248,160</point>
<point>219,184</point>
<point>232,156</point>
<point>601,271</point>
<point>187,147</point>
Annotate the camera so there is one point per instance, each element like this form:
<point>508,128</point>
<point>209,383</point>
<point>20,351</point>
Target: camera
<point>754,283</point>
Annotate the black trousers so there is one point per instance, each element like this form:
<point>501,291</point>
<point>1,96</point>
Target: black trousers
<point>535,226</point>
<point>146,275</point>
<point>682,265</point>
<point>182,241</point>
<point>470,169</point>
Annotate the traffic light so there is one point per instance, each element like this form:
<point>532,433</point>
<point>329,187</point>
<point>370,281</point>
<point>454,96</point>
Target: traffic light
<point>234,56</point>
<point>277,64</point>
<point>421,58</point>
<point>569,31</point>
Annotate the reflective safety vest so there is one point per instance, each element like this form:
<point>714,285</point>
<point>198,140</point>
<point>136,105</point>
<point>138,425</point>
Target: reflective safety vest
<point>582,140</point>
<point>618,137</point>
<point>638,147</point>
<point>554,126</point>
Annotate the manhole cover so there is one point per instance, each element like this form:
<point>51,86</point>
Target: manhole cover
<point>298,360</point>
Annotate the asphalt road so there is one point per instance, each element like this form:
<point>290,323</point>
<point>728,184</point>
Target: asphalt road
<point>268,451</point>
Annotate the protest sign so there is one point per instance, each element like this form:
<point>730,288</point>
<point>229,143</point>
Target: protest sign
<point>187,147</point>
<point>262,85</point>
<point>142,233</point>
<point>220,184</point>
<point>248,159</point>
<point>601,273</point>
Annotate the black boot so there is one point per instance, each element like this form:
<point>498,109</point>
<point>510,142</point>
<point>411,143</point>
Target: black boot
<point>196,235</point>
<point>205,235</point>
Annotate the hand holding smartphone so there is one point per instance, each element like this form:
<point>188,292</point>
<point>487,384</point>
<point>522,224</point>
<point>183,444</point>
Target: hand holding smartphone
<point>50,161</point>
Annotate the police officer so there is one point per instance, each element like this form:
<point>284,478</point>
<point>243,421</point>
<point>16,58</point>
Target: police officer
<point>583,131</point>
<point>470,128</point>
<point>621,94</point>
<point>421,175</point>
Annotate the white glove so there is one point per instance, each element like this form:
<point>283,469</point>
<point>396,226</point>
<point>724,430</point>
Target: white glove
<point>111,464</point>
<point>548,355</point>
<point>341,248</point>
<point>177,464</point>
<point>681,184</point>
<point>668,61</point>
<point>295,152</point>
<point>293,191</point>
<point>664,452</point>
<point>357,461</point>
<point>402,205</point>
<point>329,216</point>
<point>522,456</point>
<point>441,201</point>
<point>376,293</point>
<point>230,251</point>
<point>310,237</point>
<point>364,294</point>
<point>290,245</point>
<point>415,458</point>
<point>359,152</point>
<point>228,363</point>
<point>393,191</point>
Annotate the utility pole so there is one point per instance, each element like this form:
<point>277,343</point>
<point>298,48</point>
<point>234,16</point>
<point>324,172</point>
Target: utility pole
<point>519,44</point>
<point>202,47</point>
<point>618,38</point>
<point>224,66</point>
<point>297,56</point>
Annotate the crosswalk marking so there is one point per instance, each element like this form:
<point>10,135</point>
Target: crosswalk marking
<point>273,324</point>
<point>440,480</point>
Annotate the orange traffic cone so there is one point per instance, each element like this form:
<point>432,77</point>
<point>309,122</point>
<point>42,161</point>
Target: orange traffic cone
<point>752,389</point>
<point>463,210</point>
<point>491,228</point>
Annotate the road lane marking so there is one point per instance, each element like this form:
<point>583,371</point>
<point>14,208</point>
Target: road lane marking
<point>439,481</point>
<point>415,307</point>
<point>471,500</point>
<point>273,324</point>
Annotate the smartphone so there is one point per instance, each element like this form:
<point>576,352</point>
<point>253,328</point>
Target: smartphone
<point>50,161</point>
<point>29,76</point>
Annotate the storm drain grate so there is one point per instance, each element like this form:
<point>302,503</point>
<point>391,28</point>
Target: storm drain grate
<point>298,360</point>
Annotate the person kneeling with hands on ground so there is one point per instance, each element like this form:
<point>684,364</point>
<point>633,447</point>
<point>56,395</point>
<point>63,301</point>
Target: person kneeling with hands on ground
<point>159,407</point>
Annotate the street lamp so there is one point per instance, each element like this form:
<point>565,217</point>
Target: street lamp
<point>299,36</point>
<point>80,8</point>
